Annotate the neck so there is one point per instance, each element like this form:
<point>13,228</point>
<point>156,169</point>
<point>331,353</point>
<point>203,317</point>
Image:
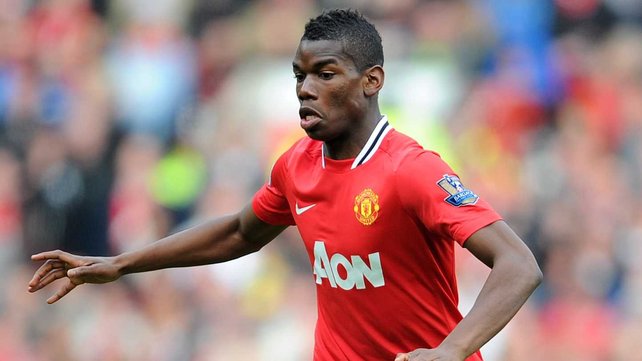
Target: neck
<point>350,145</point>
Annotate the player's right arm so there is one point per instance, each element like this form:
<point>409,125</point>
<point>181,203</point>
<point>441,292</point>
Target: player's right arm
<point>215,241</point>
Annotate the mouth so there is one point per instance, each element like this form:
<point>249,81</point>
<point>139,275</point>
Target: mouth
<point>309,117</point>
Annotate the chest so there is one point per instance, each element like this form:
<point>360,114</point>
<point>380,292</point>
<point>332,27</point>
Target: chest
<point>354,213</point>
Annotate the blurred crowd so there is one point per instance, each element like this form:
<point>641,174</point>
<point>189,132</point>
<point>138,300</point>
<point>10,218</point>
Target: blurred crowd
<point>124,121</point>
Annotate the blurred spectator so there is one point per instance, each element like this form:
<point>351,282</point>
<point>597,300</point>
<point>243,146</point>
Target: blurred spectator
<point>152,68</point>
<point>123,121</point>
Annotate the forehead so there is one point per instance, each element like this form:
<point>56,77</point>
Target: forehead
<point>311,52</point>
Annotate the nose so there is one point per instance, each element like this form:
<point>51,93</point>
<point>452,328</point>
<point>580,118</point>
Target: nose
<point>306,89</point>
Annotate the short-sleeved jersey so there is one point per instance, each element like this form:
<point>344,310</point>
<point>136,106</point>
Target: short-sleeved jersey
<point>380,232</point>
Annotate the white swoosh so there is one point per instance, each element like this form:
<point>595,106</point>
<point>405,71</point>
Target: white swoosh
<point>300,211</point>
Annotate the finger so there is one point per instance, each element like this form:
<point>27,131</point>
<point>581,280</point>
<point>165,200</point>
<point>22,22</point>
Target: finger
<point>402,357</point>
<point>47,255</point>
<point>44,270</point>
<point>50,277</point>
<point>56,255</point>
<point>64,290</point>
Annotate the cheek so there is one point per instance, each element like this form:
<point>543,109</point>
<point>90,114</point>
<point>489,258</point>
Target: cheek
<point>344,95</point>
<point>338,96</point>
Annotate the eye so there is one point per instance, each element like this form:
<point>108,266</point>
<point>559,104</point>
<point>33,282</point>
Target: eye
<point>326,75</point>
<point>299,77</point>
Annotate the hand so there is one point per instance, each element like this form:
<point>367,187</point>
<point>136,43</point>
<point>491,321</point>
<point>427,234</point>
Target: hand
<point>424,354</point>
<point>76,269</point>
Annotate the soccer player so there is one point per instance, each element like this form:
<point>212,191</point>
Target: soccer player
<point>378,214</point>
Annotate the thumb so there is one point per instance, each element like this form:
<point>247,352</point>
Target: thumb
<point>402,357</point>
<point>75,272</point>
<point>93,273</point>
<point>80,271</point>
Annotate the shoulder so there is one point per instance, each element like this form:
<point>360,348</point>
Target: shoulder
<point>416,171</point>
<point>405,153</point>
<point>303,150</point>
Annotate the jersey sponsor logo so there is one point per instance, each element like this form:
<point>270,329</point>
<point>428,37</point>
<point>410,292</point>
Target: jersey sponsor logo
<point>458,194</point>
<point>300,211</point>
<point>366,207</point>
<point>357,271</point>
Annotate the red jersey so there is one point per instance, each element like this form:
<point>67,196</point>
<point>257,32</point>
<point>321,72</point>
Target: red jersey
<point>380,232</point>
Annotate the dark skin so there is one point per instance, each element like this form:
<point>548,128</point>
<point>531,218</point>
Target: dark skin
<point>345,98</point>
<point>339,106</point>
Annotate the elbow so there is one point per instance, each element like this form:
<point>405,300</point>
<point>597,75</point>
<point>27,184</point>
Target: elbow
<point>530,272</point>
<point>254,247</point>
<point>248,244</point>
<point>536,276</point>
<point>521,270</point>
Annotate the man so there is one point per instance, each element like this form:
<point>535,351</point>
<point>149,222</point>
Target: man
<point>378,214</point>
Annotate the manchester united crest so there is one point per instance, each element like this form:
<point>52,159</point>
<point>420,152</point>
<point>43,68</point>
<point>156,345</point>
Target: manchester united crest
<point>366,207</point>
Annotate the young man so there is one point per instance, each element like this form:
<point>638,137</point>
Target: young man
<point>378,214</point>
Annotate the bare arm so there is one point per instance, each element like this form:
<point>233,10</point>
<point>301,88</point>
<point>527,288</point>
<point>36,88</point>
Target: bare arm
<point>215,241</point>
<point>513,278</point>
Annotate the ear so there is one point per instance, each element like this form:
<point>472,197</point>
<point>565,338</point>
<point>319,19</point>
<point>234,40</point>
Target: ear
<point>373,80</point>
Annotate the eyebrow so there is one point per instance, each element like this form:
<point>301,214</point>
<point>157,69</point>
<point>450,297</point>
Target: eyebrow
<point>319,64</point>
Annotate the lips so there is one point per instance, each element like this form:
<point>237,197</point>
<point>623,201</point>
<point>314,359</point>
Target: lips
<point>309,117</point>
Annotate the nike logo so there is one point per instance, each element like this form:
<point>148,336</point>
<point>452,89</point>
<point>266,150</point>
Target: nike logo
<point>300,211</point>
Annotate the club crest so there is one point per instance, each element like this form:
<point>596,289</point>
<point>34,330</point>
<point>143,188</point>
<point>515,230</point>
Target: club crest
<point>458,194</point>
<point>366,207</point>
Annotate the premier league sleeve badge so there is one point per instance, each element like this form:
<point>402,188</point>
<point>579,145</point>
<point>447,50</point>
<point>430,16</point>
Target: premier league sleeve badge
<point>458,194</point>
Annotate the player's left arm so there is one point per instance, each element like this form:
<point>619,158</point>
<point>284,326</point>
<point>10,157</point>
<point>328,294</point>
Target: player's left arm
<point>514,276</point>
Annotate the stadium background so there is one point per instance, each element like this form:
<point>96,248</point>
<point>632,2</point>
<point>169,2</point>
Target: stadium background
<point>122,121</point>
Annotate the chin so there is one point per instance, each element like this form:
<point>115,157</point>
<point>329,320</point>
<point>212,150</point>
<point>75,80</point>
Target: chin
<point>315,134</point>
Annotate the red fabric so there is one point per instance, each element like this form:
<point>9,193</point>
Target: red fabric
<point>384,287</point>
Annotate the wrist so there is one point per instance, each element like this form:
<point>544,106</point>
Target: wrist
<point>451,348</point>
<point>121,264</point>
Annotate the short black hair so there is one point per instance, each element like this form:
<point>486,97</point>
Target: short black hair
<point>361,40</point>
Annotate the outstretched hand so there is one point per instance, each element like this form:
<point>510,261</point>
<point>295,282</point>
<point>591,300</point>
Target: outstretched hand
<point>75,269</point>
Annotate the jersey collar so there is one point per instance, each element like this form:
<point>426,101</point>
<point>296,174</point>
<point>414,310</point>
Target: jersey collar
<point>368,150</point>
